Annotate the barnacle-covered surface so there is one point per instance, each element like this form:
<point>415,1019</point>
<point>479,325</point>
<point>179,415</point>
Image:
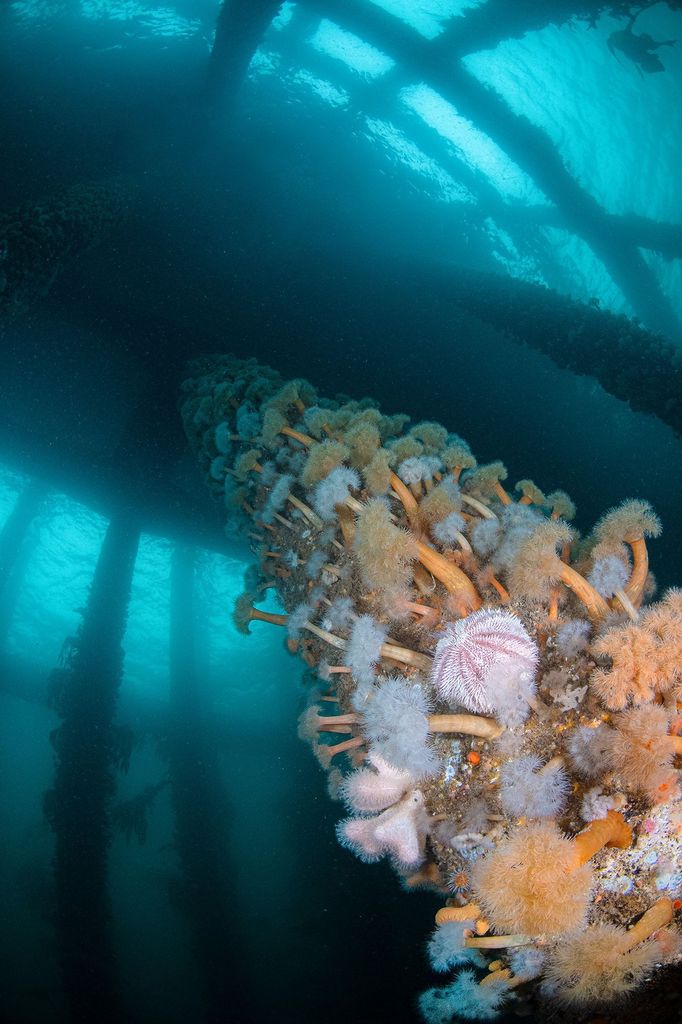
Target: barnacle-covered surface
<point>377,538</point>
<point>39,237</point>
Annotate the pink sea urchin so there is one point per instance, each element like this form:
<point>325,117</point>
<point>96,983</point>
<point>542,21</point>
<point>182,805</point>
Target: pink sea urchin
<point>476,650</point>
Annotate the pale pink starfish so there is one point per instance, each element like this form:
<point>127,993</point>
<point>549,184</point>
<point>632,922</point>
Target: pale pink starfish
<point>375,788</point>
<point>399,831</point>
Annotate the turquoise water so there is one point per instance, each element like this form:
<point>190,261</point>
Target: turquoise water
<point>375,163</point>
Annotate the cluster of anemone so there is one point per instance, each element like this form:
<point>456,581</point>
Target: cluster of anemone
<point>495,699</point>
<point>40,237</point>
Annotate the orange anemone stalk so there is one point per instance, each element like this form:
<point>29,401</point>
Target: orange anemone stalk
<point>634,588</point>
<point>273,617</point>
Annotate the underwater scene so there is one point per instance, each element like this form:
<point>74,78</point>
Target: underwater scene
<point>340,562</point>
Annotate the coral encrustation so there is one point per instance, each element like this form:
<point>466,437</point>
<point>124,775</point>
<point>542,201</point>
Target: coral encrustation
<point>495,699</point>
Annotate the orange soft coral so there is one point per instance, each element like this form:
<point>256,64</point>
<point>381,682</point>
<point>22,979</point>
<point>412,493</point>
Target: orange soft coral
<point>641,752</point>
<point>605,962</point>
<point>664,621</point>
<point>646,658</point>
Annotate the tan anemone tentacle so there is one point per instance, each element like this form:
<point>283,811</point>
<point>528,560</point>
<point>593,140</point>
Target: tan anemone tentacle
<point>500,588</point>
<point>341,748</point>
<point>482,509</point>
<point>621,598</point>
<point>337,723</point>
<point>468,913</point>
<point>417,660</point>
<point>657,916</point>
<point>285,522</point>
<point>634,588</point>
<point>502,494</point>
<point>311,516</point>
<point>613,830</point>
<point>451,576</point>
<point>469,725</point>
<point>388,650</point>
<point>347,523</point>
<point>296,435</point>
<point>409,503</point>
<point>324,634</point>
<point>496,941</point>
<point>273,617</point>
<point>595,605</point>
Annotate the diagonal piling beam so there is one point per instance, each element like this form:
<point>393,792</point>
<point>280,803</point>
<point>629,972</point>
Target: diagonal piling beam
<point>240,27</point>
<point>526,144</point>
